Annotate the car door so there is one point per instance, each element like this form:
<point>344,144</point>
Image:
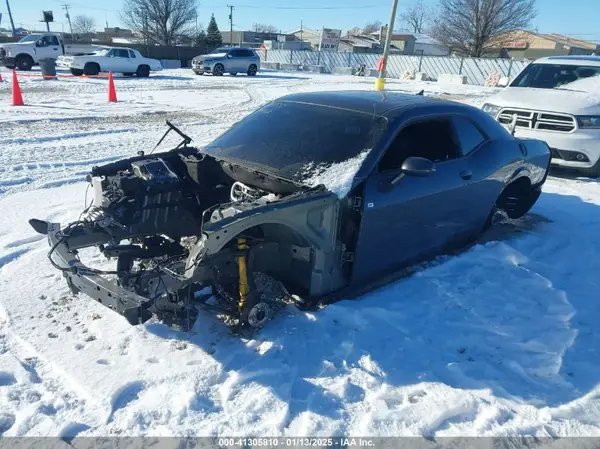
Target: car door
<point>48,47</point>
<point>419,216</point>
<point>122,61</point>
<point>233,61</point>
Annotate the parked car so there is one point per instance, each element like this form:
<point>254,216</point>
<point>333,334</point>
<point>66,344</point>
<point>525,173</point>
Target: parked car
<point>112,59</point>
<point>26,53</point>
<point>261,215</point>
<point>551,99</point>
<point>227,60</point>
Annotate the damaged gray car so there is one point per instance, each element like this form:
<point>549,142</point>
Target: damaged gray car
<point>312,198</point>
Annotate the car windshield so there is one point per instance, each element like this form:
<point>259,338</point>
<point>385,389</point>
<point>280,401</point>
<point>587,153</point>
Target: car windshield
<point>297,141</point>
<point>553,76</point>
<point>31,38</point>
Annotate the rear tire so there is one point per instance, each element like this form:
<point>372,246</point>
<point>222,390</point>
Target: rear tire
<point>143,71</point>
<point>76,72</point>
<point>91,69</point>
<point>218,70</point>
<point>518,198</point>
<point>252,70</point>
<point>24,63</point>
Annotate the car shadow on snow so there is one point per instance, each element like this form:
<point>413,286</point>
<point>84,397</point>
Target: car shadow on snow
<point>515,313</point>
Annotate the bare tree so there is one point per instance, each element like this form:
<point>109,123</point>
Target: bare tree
<point>354,31</point>
<point>84,25</point>
<point>160,21</point>
<point>416,17</point>
<point>471,27</point>
<point>371,27</point>
<point>262,28</point>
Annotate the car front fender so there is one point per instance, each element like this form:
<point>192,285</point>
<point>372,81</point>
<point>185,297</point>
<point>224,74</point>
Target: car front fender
<point>314,218</point>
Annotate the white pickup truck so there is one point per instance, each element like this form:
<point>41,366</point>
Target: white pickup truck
<point>110,59</point>
<point>28,51</point>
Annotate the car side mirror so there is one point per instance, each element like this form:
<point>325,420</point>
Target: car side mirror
<point>230,56</point>
<point>504,81</point>
<point>415,166</point>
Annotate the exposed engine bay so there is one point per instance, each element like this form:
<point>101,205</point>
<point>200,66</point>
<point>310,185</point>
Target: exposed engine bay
<point>187,229</point>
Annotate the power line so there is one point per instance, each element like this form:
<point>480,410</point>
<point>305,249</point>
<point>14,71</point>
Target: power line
<point>296,8</point>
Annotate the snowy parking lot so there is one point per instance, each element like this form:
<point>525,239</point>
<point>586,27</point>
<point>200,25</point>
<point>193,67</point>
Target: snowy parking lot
<point>499,340</point>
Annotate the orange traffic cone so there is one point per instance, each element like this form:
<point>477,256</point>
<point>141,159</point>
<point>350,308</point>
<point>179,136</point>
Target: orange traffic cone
<point>1,80</point>
<point>112,93</point>
<point>17,98</point>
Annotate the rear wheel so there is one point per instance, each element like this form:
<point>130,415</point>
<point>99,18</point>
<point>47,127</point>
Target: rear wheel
<point>143,71</point>
<point>516,199</point>
<point>24,62</point>
<point>91,69</point>
<point>218,70</point>
<point>252,70</point>
<point>76,72</point>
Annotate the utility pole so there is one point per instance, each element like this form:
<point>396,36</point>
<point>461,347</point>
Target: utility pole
<point>380,81</point>
<point>231,24</point>
<point>66,8</point>
<point>301,31</point>
<point>12,23</point>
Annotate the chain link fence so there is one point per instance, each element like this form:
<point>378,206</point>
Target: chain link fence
<point>477,70</point>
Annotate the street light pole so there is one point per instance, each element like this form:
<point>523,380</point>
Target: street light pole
<point>380,81</point>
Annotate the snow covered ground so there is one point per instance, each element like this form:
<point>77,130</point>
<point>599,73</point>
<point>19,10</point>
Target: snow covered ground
<point>500,340</point>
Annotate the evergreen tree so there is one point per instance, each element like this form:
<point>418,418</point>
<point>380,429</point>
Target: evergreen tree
<point>200,39</point>
<point>213,35</point>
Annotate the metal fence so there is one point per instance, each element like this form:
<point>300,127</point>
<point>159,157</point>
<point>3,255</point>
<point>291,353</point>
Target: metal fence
<point>477,70</point>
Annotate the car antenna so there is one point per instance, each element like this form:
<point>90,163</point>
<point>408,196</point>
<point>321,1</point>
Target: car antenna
<point>186,139</point>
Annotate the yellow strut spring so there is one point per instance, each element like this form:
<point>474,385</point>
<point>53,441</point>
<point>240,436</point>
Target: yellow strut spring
<point>243,284</point>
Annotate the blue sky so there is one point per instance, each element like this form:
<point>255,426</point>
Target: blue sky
<point>554,15</point>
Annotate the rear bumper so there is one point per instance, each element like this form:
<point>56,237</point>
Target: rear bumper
<point>126,303</point>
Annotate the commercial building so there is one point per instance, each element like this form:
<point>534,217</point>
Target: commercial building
<point>523,44</point>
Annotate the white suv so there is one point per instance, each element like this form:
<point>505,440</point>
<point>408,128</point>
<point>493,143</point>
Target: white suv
<point>556,99</point>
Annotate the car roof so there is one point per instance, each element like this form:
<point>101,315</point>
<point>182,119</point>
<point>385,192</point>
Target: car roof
<point>388,104</point>
<point>570,60</point>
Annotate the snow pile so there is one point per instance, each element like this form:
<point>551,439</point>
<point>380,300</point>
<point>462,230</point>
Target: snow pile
<point>589,85</point>
<point>500,340</point>
<point>337,178</point>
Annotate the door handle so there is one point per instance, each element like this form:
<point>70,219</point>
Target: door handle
<point>466,174</point>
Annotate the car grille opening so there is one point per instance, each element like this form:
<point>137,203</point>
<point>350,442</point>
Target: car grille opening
<point>544,121</point>
<point>567,155</point>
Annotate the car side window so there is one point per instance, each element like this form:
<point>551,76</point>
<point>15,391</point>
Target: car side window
<point>235,53</point>
<point>131,54</point>
<point>432,139</point>
<point>247,53</point>
<point>468,134</point>
<point>122,53</point>
<point>53,40</point>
